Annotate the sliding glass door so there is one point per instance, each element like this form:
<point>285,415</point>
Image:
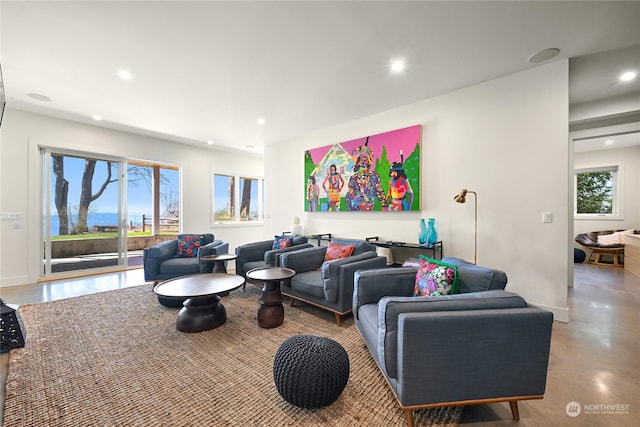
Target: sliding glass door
<point>99,213</point>
<point>83,213</point>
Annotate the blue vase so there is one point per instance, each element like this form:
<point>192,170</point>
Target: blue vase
<point>422,232</point>
<point>432,233</point>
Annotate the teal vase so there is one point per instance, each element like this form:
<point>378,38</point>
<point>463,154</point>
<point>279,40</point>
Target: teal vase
<point>422,232</point>
<point>432,232</point>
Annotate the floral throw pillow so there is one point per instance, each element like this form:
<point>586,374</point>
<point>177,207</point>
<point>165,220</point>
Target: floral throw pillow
<point>281,242</point>
<point>336,251</point>
<point>188,245</point>
<point>435,278</point>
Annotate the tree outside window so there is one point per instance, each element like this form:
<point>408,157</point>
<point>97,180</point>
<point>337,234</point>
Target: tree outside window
<point>595,191</point>
<point>248,195</point>
<point>224,198</point>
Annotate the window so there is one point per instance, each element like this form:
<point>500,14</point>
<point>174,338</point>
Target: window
<point>596,192</point>
<point>233,203</point>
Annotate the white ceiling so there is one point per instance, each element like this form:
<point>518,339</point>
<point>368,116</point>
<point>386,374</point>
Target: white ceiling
<point>607,142</point>
<point>207,70</point>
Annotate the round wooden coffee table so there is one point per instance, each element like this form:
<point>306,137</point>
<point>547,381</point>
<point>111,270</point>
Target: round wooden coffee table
<point>271,311</point>
<point>218,261</point>
<point>202,309</point>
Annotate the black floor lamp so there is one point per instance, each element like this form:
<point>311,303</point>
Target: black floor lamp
<point>462,198</point>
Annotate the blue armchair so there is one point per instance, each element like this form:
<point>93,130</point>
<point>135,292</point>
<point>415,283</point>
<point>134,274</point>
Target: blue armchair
<point>328,285</point>
<point>261,254</point>
<point>160,261</point>
<point>482,345</point>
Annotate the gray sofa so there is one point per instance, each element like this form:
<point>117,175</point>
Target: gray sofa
<point>160,262</point>
<point>328,285</point>
<point>481,345</point>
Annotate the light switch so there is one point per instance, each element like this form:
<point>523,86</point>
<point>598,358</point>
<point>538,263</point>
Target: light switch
<point>546,217</point>
<point>10,216</point>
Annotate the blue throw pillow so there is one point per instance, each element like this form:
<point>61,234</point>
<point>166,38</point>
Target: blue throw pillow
<point>189,244</point>
<point>281,242</point>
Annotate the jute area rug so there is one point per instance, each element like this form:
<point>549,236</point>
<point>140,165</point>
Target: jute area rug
<point>116,359</point>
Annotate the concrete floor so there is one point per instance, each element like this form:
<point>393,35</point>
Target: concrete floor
<point>594,361</point>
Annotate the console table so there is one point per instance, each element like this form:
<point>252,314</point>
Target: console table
<point>435,251</point>
<point>326,237</point>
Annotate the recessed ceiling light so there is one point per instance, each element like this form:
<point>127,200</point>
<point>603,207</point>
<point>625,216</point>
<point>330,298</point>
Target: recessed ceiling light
<point>628,76</point>
<point>543,55</point>
<point>96,117</point>
<point>261,121</point>
<point>609,142</point>
<point>39,97</point>
<point>397,66</point>
<point>210,142</point>
<point>124,75</point>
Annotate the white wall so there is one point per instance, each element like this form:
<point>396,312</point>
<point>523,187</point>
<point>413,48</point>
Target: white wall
<point>22,133</point>
<point>629,160</point>
<point>507,139</point>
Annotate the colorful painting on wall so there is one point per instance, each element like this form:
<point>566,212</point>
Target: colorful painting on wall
<point>374,173</point>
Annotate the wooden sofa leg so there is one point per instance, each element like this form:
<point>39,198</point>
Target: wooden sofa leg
<point>514,410</point>
<point>338,320</point>
<point>409,415</point>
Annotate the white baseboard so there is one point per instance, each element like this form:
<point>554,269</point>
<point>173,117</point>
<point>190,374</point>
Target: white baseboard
<point>559,314</point>
<point>6,282</point>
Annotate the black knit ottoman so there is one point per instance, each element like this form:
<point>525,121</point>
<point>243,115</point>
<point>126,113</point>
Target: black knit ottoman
<point>310,371</point>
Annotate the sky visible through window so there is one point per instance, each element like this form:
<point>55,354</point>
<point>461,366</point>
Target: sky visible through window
<point>139,195</point>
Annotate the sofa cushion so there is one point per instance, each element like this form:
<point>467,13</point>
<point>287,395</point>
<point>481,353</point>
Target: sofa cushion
<point>180,266</point>
<point>474,278</point>
<point>308,282</point>
<point>281,242</point>
<point>625,233</point>
<point>435,278</point>
<point>609,239</point>
<point>336,251</point>
<point>189,244</point>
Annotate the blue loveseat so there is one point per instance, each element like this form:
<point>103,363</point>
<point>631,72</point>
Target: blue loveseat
<point>481,345</point>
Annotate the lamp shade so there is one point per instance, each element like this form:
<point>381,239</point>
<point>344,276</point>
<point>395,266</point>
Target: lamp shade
<point>461,197</point>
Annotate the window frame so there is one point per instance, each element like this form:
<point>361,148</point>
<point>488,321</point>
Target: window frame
<point>617,208</point>
<point>236,221</point>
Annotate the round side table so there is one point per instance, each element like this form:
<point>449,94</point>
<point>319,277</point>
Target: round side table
<point>271,311</point>
<point>218,261</point>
